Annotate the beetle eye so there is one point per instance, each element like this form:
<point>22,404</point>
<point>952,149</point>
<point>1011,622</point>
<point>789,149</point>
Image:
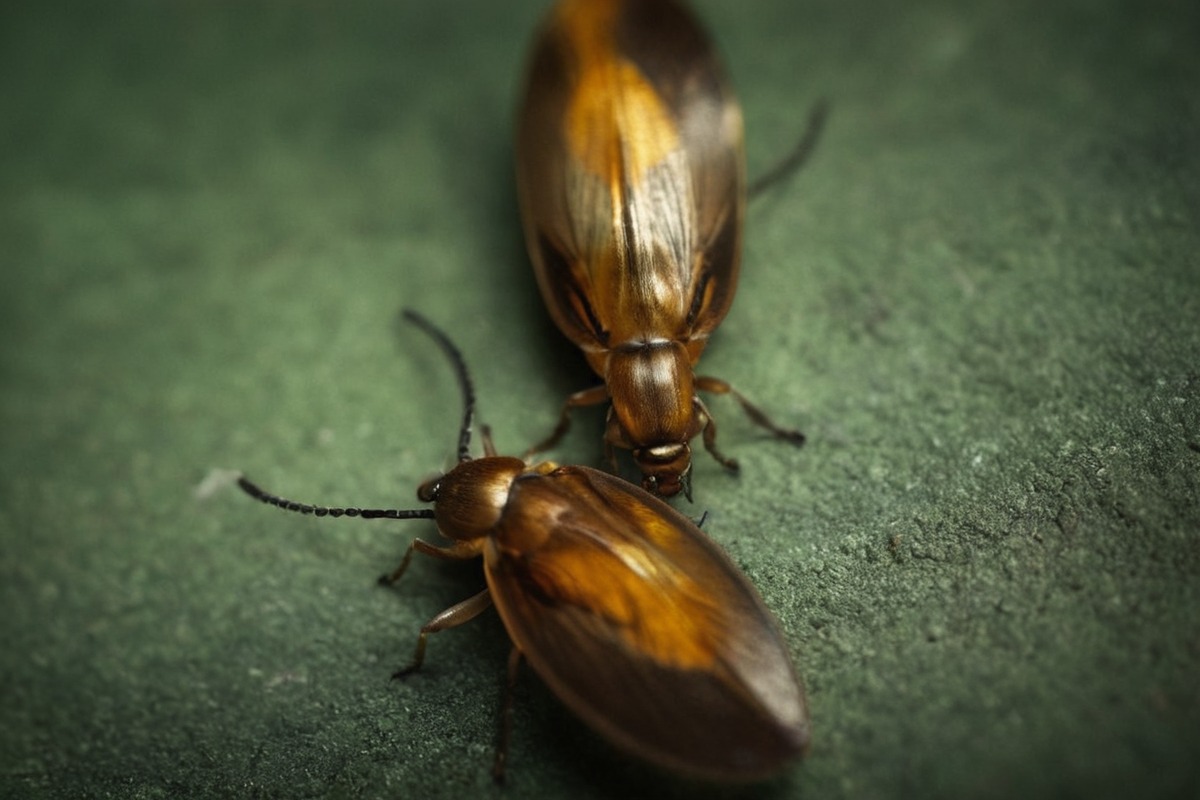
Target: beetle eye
<point>427,492</point>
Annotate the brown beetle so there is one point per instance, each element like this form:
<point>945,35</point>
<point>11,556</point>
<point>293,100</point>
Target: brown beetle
<point>633,617</point>
<point>631,179</point>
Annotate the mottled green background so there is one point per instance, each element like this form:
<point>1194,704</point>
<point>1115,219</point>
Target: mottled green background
<point>980,299</point>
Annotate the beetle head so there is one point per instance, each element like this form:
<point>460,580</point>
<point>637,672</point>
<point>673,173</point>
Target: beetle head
<point>469,499</point>
<point>666,469</point>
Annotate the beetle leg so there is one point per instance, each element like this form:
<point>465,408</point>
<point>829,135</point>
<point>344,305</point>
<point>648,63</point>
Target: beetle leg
<point>506,716</point>
<point>756,414</point>
<point>485,433</point>
<point>452,617</point>
<point>610,453</point>
<point>710,436</point>
<point>587,397</point>
<point>456,552</point>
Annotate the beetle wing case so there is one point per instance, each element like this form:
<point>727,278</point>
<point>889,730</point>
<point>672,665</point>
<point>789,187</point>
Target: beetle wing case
<point>644,627</point>
<point>630,171</point>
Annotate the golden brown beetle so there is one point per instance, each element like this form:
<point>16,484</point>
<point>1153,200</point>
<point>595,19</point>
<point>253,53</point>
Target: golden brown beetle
<point>630,172</point>
<point>632,616</point>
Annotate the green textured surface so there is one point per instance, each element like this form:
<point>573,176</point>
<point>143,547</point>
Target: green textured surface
<point>980,300</point>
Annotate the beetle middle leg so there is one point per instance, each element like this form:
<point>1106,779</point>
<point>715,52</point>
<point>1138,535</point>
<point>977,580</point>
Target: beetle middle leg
<point>588,397</point>
<point>452,617</point>
<point>756,414</point>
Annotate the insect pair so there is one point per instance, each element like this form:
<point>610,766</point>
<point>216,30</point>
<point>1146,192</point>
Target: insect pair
<point>631,180</point>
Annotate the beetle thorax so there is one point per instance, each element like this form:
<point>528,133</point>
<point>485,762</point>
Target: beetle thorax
<point>651,386</point>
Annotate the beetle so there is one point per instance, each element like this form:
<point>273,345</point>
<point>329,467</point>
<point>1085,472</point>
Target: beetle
<point>632,189</point>
<point>636,620</point>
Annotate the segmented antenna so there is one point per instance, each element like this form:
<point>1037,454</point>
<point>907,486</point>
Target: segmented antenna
<point>464,443</point>
<point>795,159</point>
<point>464,379</point>
<point>257,493</point>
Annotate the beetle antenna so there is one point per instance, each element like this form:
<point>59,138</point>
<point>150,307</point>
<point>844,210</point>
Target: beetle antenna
<point>257,493</point>
<point>795,159</point>
<point>464,378</point>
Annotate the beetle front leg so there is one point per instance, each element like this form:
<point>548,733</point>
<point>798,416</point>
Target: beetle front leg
<point>485,433</point>
<point>756,414</point>
<point>612,437</point>
<point>588,397</point>
<point>710,438</point>
<point>459,551</point>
